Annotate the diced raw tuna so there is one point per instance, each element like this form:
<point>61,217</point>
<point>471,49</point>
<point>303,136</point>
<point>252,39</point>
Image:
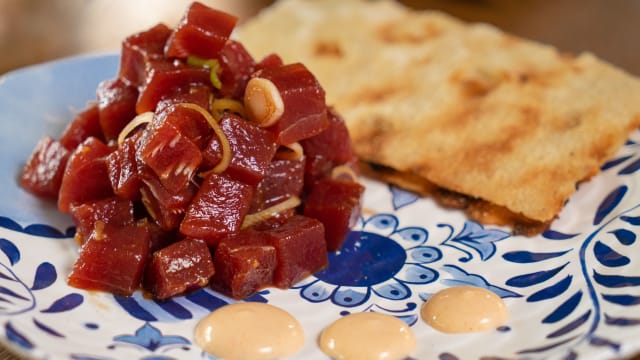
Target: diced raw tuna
<point>327,150</point>
<point>84,125</point>
<point>284,179</point>
<point>300,248</point>
<point>187,121</point>
<point>237,66</point>
<point>158,238</point>
<point>166,80</point>
<point>198,94</point>
<point>202,32</point>
<point>112,259</point>
<point>113,210</point>
<point>123,169</point>
<point>244,264</point>
<point>271,60</point>
<point>178,268</point>
<point>217,210</point>
<point>167,209</point>
<point>305,112</point>
<point>86,176</point>
<point>140,49</point>
<point>117,106</point>
<point>42,174</point>
<point>336,204</point>
<point>171,155</point>
<point>252,149</point>
<point>333,143</point>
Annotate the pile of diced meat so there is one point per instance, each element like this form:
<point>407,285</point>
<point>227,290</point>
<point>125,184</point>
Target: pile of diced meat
<point>200,166</point>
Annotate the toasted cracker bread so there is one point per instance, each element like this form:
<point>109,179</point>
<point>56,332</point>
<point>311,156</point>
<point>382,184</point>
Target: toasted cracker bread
<point>465,107</point>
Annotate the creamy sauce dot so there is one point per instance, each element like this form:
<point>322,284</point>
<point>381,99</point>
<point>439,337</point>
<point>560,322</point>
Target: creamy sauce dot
<point>249,331</point>
<point>367,336</point>
<point>464,309</point>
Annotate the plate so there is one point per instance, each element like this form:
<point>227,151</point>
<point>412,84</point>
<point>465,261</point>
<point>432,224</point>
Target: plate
<point>573,292</point>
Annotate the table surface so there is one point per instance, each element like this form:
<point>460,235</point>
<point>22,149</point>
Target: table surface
<point>606,28</point>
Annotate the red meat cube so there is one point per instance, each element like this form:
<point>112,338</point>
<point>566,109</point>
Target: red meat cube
<point>217,210</point>
<point>305,112</point>
<point>123,169</point>
<point>42,174</point>
<point>86,176</point>
<point>328,149</point>
<point>284,178</point>
<point>237,66</point>
<point>300,250</point>
<point>336,204</point>
<point>187,121</point>
<point>113,210</point>
<point>244,264</point>
<point>138,50</point>
<point>84,125</point>
<point>112,259</point>
<point>166,80</point>
<point>117,106</point>
<point>202,32</point>
<point>166,208</point>
<point>180,267</point>
<point>252,149</point>
<point>171,155</point>
<point>271,60</point>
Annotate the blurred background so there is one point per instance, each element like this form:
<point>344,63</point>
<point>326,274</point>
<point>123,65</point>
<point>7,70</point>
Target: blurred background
<point>33,31</point>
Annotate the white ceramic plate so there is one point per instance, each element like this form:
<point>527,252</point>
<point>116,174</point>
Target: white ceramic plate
<point>573,292</point>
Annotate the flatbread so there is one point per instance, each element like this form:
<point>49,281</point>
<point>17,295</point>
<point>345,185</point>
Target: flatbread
<point>464,107</point>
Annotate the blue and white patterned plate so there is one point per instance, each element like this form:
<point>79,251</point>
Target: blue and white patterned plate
<point>573,292</point>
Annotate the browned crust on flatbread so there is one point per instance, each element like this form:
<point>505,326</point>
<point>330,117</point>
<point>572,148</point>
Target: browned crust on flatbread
<point>476,209</point>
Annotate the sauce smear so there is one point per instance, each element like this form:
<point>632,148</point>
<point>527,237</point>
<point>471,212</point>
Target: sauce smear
<point>249,331</point>
<point>464,309</point>
<point>367,336</point>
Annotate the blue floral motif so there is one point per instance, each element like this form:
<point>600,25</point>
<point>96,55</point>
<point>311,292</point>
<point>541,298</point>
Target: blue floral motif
<point>579,316</point>
<point>476,237</point>
<point>461,277</point>
<point>354,275</point>
<point>401,198</point>
<point>16,297</point>
<point>151,339</point>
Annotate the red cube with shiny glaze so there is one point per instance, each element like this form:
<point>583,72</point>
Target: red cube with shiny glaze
<point>244,264</point>
<point>86,176</point>
<point>218,209</point>
<point>112,210</point>
<point>112,259</point>
<point>202,32</point>
<point>84,125</point>
<point>335,203</point>
<point>252,149</point>
<point>180,267</point>
<point>300,248</point>
<point>116,105</point>
<point>43,172</point>
<point>138,50</point>
<point>304,112</point>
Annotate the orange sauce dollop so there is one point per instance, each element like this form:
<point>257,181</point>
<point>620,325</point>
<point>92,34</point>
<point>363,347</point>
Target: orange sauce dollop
<point>249,330</point>
<point>464,309</point>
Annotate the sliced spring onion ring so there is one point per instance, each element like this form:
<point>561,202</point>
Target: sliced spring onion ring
<point>222,105</point>
<point>144,118</point>
<point>294,152</point>
<point>225,159</point>
<point>260,216</point>
<point>212,64</point>
<point>342,171</point>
